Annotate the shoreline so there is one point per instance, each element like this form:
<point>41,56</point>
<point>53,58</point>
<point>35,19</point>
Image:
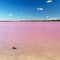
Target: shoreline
<point>33,21</point>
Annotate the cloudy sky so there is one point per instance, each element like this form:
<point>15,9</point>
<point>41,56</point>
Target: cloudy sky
<point>29,9</point>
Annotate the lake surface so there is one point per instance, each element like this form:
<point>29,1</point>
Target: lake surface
<point>33,40</point>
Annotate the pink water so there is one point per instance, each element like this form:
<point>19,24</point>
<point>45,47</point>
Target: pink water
<point>31,38</point>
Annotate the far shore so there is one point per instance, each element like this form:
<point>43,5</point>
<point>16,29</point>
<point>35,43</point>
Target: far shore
<point>30,21</point>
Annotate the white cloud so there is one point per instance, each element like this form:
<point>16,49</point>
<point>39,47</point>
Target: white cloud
<point>40,9</point>
<point>47,16</point>
<point>49,1</point>
<point>53,18</point>
<point>35,18</point>
<point>10,14</point>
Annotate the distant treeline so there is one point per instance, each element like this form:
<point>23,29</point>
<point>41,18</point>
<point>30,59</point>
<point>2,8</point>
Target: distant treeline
<point>39,20</point>
<point>32,21</point>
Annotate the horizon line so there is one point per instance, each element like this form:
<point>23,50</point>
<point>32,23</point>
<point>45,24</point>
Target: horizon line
<point>52,20</point>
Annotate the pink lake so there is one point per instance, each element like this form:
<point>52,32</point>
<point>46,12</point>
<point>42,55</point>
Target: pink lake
<point>35,40</point>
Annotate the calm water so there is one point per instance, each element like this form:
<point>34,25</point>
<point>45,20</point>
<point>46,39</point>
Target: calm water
<point>30,38</point>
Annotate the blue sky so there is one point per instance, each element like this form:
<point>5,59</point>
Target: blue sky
<point>29,9</point>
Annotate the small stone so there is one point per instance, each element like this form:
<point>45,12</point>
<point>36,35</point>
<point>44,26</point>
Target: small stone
<point>14,48</point>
